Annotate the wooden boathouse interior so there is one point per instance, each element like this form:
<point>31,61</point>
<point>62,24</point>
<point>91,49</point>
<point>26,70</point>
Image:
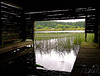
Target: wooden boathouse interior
<point>17,25</point>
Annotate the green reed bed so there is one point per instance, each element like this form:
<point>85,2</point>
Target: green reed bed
<point>46,36</point>
<point>72,39</point>
<point>78,37</point>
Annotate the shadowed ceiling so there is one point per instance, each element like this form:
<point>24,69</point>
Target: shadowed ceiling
<point>41,5</point>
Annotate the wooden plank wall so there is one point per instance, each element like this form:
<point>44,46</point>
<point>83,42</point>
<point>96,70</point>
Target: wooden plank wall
<point>98,8</point>
<point>10,22</point>
<point>23,26</point>
<point>29,26</point>
<point>0,36</point>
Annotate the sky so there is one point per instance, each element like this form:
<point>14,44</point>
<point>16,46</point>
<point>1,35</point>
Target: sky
<point>71,20</point>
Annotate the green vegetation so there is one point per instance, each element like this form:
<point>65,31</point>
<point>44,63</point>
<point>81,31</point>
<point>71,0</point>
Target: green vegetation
<point>59,41</point>
<point>47,36</point>
<point>62,41</point>
<point>58,26</point>
<point>78,36</point>
<point>89,45</point>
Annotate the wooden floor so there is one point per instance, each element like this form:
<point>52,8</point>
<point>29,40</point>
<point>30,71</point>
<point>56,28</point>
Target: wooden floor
<point>7,52</point>
<point>88,59</point>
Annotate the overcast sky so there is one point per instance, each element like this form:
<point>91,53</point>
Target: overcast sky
<point>71,20</point>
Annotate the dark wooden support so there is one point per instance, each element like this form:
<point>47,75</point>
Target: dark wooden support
<point>96,35</point>
<point>33,52</point>
<point>23,26</point>
<point>0,29</point>
<point>96,26</point>
<point>0,35</point>
<point>33,31</point>
<point>99,30</point>
<point>98,21</point>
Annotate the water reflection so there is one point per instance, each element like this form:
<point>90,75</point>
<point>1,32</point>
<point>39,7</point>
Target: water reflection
<point>56,54</point>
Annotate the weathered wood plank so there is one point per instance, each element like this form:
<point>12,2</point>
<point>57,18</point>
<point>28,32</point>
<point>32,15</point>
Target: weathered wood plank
<point>10,20</point>
<point>0,35</point>
<point>88,57</point>
<point>23,26</point>
<point>15,46</point>
<point>15,55</point>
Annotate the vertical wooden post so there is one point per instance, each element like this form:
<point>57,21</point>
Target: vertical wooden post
<point>96,34</point>
<point>0,35</point>
<point>33,35</point>
<point>99,26</point>
<point>33,31</point>
<point>0,29</point>
<point>96,26</point>
<point>23,26</point>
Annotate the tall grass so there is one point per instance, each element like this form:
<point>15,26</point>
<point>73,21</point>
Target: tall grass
<point>60,41</point>
<point>90,37</point>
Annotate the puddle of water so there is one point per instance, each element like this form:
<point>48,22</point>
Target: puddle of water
<point>78,31</point>
<point>53,54</point>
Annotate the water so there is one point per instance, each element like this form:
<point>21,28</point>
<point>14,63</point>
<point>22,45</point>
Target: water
<point>70,31</point>
<point>55,54</point>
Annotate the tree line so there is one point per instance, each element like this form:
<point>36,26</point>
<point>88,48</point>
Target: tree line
<point>53,25</point>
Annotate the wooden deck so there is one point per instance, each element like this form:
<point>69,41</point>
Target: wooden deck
<point>13,46</point>
<point>88,57</point>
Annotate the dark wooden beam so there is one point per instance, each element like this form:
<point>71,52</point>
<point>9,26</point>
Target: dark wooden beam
<point>0,35</point>
<point>33,52</point>
<point>33,30</point>
<point>23,26</point>
<point>96,34</point>
<point>31,5</point>
<point>96,25</point>
<point>14,46</point>
<point>0,29</point>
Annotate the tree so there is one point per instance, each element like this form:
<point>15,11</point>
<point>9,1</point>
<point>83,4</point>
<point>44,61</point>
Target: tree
<point>59,26</point>
<point>39,27</point>
<point>46,27</point>
<point>56,25</point>
<point>73,27</point>
<point>67,26</point>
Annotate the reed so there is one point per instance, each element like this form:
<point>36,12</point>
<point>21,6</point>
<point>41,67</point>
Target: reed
<point>61,41</point>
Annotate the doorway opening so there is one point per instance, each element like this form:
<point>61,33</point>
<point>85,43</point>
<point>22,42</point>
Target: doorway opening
<point>57,43</point>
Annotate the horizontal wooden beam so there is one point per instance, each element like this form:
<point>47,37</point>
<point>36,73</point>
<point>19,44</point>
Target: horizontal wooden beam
<point>14,56</point>
<point>0,36</point>
<point>8,48</point>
